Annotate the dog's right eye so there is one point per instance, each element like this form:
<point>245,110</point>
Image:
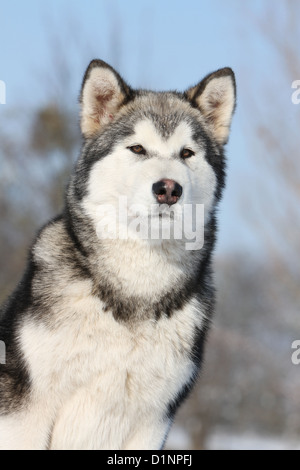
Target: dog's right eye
<point>138,149</point>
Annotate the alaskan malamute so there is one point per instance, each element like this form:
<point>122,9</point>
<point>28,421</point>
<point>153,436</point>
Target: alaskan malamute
<point>104,335</point>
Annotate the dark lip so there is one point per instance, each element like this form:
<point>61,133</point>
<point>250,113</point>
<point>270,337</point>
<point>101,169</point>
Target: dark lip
<point>164,214</point>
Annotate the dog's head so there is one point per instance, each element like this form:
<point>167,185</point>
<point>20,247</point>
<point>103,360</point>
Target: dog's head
<point>149,155</point>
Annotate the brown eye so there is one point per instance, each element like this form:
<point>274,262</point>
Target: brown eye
<point>138,149</point>
<point>186,153</point>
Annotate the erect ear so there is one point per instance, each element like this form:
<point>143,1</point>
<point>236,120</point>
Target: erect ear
<point>103,93</point>
<point>215,96</point>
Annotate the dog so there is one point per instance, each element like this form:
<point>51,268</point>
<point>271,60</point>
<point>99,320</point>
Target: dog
<point>104,335</point>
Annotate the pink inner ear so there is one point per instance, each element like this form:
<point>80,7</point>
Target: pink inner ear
<point>105,97</point>
<point>215,102</point>
<point>103,101</point>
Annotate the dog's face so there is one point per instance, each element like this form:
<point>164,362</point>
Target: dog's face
<point>151,155</point>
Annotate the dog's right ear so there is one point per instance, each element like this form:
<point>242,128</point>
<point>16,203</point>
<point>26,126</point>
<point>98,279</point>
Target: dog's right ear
<point>103,93</point>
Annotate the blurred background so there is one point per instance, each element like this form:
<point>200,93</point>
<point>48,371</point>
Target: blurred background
<point>248,395</point>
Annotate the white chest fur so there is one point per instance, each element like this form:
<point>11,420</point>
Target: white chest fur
<point>104,380</point>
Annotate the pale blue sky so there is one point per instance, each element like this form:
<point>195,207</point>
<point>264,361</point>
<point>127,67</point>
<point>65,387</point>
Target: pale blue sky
<point>161,44</point>
<point>165,44</point>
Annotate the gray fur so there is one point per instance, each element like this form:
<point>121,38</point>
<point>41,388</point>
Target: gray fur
<point>74,296</point>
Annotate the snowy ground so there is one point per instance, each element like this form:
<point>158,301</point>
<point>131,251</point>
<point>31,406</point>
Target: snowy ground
<point>224,440</point>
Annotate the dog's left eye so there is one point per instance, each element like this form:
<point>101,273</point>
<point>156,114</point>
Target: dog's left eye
<point>138,149</point>
<point>186,153</point>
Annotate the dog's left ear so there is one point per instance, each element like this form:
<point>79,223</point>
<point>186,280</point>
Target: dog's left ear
<point>103,93</point>
<point>215,97</point>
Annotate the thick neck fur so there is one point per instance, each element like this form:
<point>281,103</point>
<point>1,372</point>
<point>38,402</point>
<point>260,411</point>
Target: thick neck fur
<point>135,275</point>
<point>141,269</point>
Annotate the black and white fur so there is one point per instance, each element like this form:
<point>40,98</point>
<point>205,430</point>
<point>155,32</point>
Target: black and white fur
<point>104,338</point>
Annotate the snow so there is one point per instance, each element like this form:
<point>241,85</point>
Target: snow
<point>223,440</point>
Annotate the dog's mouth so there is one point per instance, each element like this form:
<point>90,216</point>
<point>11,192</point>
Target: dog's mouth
<point>165,215</point>
<point>163,212</point>
<point>158,213</point>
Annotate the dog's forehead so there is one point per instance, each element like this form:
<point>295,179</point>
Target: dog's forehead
<point>165,111</point>
<point>151,136</point>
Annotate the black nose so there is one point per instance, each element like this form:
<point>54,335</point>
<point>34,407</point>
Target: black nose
<point>167,191</point>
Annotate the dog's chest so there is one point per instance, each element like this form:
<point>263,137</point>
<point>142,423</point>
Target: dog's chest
<point>89,358</point>
<point>87,341</point>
